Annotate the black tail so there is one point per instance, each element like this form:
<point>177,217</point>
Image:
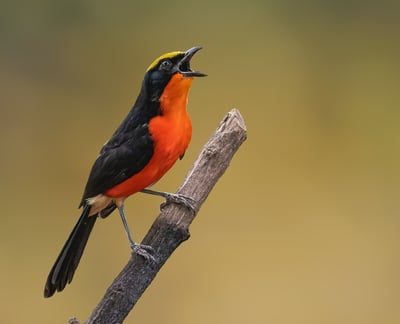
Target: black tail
<point>64,268</point>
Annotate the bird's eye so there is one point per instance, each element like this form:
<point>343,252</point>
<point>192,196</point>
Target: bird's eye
<point>165,65</point>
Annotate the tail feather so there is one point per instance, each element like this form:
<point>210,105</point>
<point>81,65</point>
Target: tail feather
<point>64,268</point>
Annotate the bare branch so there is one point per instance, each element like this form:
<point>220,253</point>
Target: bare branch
<point>171,227</point>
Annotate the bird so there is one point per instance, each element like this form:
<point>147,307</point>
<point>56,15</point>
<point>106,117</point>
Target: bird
<point>154,135</point>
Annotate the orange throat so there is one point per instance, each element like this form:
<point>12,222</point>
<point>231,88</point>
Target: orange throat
<point>173,100</point>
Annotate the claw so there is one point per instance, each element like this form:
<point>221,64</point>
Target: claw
<point>144,251</point>
<point>174,198</point>
<point>180,200</point>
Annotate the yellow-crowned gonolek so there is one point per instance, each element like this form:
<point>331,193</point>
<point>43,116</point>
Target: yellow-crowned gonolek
<point>155,133</point>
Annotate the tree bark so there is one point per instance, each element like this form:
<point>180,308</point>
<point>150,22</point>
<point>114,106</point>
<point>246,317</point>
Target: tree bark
<point>171,227</point>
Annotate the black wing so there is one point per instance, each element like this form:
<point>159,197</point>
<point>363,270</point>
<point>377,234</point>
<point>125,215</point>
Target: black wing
<point>124,155</point>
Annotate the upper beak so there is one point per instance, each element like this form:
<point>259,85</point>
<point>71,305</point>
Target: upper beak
<point>184,64</point>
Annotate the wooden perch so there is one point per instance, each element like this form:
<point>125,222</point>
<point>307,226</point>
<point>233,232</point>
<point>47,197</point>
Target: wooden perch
<point>171,227</point>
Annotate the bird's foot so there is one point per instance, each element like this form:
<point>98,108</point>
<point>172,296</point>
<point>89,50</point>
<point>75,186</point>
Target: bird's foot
<point>179,199</point>
<point>143,250</point>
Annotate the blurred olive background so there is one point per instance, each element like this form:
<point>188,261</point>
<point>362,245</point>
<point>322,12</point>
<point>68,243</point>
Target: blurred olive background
<point>303,227</point>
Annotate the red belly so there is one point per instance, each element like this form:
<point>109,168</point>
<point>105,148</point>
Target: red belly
<point>171,140</point>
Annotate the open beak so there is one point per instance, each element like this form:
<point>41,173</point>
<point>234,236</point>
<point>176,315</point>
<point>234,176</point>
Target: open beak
<point>184,64</point>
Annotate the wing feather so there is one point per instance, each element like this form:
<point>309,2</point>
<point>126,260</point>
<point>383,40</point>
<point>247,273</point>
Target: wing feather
<point>120,158</point>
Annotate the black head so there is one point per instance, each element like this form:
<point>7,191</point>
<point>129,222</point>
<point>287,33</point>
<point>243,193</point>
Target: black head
<point>163,68</point>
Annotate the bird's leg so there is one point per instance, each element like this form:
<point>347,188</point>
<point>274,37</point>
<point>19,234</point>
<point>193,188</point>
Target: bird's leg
<point>140,249</point>
<point>188,202</point>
